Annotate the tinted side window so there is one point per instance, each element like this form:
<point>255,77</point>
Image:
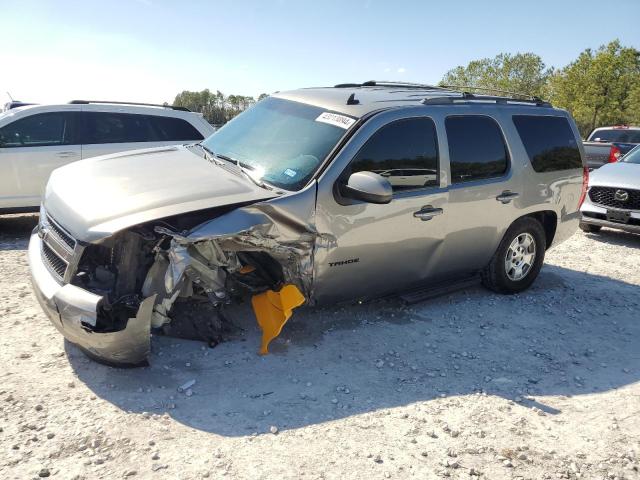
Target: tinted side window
<point>107,127</point>
<point>39,130</point>
<point>140,129</point>
<point>170,128</point>
<point>549,142</point>
<point>476,148</point>
<point>405,152</point>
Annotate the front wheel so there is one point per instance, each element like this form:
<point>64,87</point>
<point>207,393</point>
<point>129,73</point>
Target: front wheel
<point>518,259</point>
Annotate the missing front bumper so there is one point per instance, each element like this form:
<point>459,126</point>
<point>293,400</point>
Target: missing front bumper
<point>73,311</point>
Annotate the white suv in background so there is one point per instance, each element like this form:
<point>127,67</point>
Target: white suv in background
<point>36,139</point>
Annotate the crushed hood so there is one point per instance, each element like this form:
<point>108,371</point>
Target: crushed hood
<point>619,174</point>
<point>94,198</point>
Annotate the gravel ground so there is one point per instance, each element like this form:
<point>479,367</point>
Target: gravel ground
<point>539,385</point>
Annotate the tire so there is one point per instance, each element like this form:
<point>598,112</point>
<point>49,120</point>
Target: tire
<point>502,275</point>
<point>588,228</point>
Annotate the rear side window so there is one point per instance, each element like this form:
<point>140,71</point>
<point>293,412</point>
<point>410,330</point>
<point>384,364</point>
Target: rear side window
<point>170,128</point>
<point>549,142</point>
<point>107,127</point>
<point>620,135</point>
<point>476,148</point>
<point>40,130</point>
<point>405,152</point>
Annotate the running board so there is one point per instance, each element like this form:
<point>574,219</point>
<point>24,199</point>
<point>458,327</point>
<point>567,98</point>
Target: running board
<point>429,292</point>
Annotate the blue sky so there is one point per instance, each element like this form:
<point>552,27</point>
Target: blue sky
<point>149,50</point>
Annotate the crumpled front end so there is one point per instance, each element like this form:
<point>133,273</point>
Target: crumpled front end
<point>264,251</point>
<point>74,312</point>
<point>112,293</point>
<point>217,251</point>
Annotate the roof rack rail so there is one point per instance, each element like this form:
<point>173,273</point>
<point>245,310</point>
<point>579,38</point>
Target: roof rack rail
<point>386,83</point>
<point>468,88</point>
<point>86,102</point>
<point>16,104</point>
<point>468,97</point>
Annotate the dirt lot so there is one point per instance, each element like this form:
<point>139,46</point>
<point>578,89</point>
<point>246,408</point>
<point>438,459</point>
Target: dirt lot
<point>540,385</point>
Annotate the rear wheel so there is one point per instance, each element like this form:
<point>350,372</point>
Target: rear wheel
<point>518,259</point>
<point>586,227</point>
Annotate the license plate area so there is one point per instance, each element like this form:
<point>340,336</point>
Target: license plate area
<point>618,216</point>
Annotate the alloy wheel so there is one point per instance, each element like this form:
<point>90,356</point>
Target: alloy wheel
<point>520,257</point>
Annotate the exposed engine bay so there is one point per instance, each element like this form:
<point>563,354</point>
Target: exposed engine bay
<point>192,266</point>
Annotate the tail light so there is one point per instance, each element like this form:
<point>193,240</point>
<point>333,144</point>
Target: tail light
<point>585,186</point>
<point>614,154</point>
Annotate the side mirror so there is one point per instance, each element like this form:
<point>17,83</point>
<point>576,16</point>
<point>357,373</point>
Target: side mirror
<point>368,187</point>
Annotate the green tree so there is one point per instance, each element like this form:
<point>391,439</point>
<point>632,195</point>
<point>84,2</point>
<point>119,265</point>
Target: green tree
<point>522,73</point>
<point>633,105</point>
<point>216,108</point>
<point>601,87</point>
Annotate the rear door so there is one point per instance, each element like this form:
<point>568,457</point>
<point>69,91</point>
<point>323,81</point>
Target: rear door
<point>107,132</point>
<point>32,147</point>
<point>484,190</point>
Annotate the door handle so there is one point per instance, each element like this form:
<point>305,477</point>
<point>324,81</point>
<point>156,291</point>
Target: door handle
<point>506,196</point>
<point>427,213</point>
<point>66,154</point>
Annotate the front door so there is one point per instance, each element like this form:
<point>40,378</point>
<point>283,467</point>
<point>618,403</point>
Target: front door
<point>31,148</point>
<point>368,249</point>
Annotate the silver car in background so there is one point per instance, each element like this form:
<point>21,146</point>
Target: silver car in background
<point>311,196</point>
<point>613,198</point>
<point>37,139</point>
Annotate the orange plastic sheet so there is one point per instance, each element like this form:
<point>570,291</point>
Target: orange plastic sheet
<point>273,309</point>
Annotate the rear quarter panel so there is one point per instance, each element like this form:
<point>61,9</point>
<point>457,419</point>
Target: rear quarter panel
<point>557,191</point>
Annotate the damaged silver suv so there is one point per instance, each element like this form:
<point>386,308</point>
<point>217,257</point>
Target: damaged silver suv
<point>311,196</point>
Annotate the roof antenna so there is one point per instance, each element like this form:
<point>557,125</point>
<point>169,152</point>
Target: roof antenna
<point>352,100</point>
<point>10,97</point>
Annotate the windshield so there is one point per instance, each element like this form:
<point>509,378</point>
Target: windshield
<point>281,141</point>
<point>633,156</point>
<point>619,135</point>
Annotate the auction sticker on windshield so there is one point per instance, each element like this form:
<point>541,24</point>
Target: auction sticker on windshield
<point>335,119</point>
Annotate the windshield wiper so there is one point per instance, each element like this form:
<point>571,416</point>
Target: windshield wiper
<point>242,167</point>
<point>228,159</point>
<point>258,182</point>
<point>219,156</point>
<point>208,154</point>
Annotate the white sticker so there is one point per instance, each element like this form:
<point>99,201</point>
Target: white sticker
<point>290,173</point>
<point>335,119</point>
